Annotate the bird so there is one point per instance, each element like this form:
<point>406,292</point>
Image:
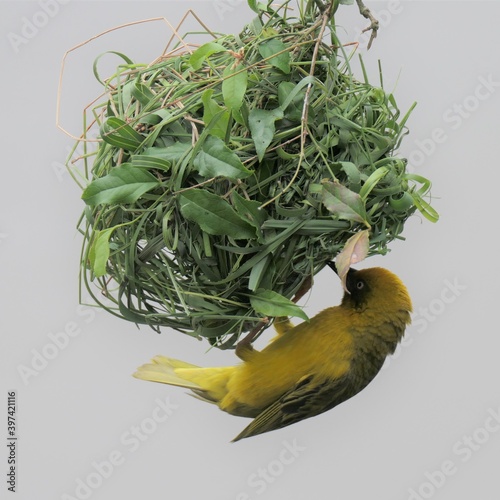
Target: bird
<point>308,368</point>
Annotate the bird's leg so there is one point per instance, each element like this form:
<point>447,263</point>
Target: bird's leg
<point>244,348</point>
<point>374,24</point>
<point>282,324</point>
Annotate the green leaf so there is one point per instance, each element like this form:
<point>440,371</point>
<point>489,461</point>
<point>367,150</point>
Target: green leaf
<point>425,208</point>
<point>343,202</point>
<point>401,202</point>
<point>258,273</point>
<point>250,210</point>
<point>257,6</point>
<point>214,116</point>
<point>268,48</point>
<point>99,251</point>
<point>255,26</point>
<point>352,171</point>
<point>292,107</point>
<point>239,114</point>
<point>214,215</point>
<point>124,184</point>
<point>344,123</point>
<point>206,50</point>
<point>103,81</point>
<point>124,95</point>
<point>372,181</point>
<point>149,162</point>
<point>170,153</point>
<point>216,160</point>
<point>234,86</point>
<point>118,133</point>
<point>262,128</point>
<point>270,303</point>
<point>289,93</point>
<point>142,93</point>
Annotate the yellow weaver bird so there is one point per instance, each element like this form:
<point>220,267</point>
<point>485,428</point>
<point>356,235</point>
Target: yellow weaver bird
<point>306,369</point>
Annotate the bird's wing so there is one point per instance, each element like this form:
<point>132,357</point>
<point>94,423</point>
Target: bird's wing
<point>307,398</point>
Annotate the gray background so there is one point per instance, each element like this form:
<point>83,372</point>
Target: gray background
<point>431,409</point>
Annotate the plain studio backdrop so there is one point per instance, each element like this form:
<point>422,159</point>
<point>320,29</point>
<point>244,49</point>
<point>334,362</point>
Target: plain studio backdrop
<point>427,427</point>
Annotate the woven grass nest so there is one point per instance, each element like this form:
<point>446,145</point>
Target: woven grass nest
<point>228,175</point>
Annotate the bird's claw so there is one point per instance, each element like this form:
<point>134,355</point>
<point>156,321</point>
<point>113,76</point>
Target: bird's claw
<point>244,350</point>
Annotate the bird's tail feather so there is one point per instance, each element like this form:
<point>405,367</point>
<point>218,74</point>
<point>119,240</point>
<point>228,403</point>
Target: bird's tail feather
<point>208,384</point>
<point>162,369</point>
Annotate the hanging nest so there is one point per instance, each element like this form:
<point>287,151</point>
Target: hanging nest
<point>227,176</point>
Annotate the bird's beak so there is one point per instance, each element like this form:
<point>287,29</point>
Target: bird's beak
<point>333,266</point>
<point>351,271</point>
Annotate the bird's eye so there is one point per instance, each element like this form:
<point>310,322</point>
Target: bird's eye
<point>360,285</point>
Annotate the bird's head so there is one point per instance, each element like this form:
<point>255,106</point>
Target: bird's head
<point>377,289</point>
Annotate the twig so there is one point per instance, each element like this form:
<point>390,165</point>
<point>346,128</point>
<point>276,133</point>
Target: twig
<point>374,24</point>
<point>304,288</point>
